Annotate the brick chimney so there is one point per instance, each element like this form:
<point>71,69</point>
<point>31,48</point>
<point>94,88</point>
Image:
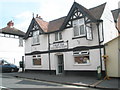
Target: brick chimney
<point>10,24</point>
<point>37,16</point>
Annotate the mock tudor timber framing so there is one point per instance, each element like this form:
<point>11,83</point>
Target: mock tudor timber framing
<point>76,12</point>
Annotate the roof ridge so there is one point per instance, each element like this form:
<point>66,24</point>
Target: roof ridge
<point>57,18</point>
<point>115,9</point>
<point>97,6</point>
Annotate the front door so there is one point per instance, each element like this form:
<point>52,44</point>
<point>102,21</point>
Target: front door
<point>60,64</point>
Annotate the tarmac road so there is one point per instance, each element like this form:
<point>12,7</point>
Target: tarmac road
<point>12,83</point>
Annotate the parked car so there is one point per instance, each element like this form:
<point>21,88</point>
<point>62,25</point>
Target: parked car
<point>7,67</point>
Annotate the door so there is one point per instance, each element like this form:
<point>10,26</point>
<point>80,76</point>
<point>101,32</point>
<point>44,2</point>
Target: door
<point>60,64</point>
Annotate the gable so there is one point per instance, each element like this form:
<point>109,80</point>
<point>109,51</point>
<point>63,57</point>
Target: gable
<point>115,14</point>
<point>77,11</point>
<point>36,24</point>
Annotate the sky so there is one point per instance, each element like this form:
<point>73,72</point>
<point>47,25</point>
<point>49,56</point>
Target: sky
<point>21,11</point>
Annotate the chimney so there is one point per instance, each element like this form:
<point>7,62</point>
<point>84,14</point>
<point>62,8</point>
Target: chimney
<point>37,16</point>
<point>10,24</point>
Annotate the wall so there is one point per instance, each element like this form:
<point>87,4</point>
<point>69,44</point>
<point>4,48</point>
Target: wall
<point>44,63</point>
<point>112,52</point>
<point>29,47</point>
<point>110,32</point>
<point>10,50</point>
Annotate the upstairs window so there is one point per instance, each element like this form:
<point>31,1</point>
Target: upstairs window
<point>58,36</point>
<point>78,28</point>
<point>35,37</point>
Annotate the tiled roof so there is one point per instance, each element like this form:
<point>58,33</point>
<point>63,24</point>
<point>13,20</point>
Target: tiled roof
<point>55,24</point>
<point>97,11</point>
<point>115,14</point>
<point>12,31</point>
<point>43,24</point>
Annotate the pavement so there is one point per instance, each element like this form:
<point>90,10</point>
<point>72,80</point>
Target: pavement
<point>87,81</point>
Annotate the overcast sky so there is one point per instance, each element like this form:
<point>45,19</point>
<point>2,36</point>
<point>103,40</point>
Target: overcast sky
<point>20,11</point>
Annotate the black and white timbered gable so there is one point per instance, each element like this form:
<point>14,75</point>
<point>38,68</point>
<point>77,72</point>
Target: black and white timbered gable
<point>36,27</point>
<point>81,18</point>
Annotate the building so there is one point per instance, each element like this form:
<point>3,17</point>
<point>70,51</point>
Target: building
<point>113,51</point>
<point>11,43</point>
<point>73,43</point>
<point>116,16</point>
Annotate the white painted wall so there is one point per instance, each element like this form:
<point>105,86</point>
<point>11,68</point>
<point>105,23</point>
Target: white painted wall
<point>29,47</point>
<point>110,31</point>
<point>44,63</point>
<point>112,50</point>
<point>10,50</point>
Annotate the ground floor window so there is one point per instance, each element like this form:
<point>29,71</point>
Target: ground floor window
<point>36,59</point>
<point>81,57</point>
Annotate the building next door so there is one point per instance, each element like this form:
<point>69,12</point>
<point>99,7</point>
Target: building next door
<point>60,64</point>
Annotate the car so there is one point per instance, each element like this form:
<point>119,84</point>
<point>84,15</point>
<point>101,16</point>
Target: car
<point>7,67</point>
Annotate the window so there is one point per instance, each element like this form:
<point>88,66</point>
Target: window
<point>58,36</point>
<point>20,42</point>
<point>81,57</point>
<point>79,28</point>
<point>35,37</point>
<point>37,60</point>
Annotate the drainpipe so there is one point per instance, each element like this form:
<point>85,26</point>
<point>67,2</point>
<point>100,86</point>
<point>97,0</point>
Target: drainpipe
<point>49,53</point>
<point>99,45</point>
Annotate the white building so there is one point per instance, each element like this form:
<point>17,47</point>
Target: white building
<point>73,43</point>
<point>11,44</point>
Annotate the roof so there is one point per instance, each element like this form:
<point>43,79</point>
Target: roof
<point>12,31</point>
<point>58,24</point>
<point>55,24</point>
<point>97,11</point>
<point>115,14</point>
<point>43,24</point>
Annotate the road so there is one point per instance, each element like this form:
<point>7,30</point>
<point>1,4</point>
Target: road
<point>19,83</point>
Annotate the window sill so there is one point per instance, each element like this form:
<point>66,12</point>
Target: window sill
<point>59,41</point>
<point>35,44</point>
<point>87,64</point>
<point>37,66</point>
<point>79,37</point>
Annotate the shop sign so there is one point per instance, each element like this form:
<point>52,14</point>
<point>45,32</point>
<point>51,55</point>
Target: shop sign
<point>55,46</point>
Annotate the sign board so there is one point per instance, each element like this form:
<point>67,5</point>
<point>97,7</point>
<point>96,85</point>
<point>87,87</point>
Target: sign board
<point>61,45</point>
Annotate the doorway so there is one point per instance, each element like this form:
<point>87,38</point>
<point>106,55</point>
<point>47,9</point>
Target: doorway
<point>60,64</point>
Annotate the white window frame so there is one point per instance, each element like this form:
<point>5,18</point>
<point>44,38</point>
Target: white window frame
<point>58,36</point>
<point>81,54</point>
<point>36,57</point>
<point>78,24</point>
<point>36,39</point>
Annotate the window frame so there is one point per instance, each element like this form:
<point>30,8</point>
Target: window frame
<point>78,24</point>
<point>35,37</point>
<point>36,57</point>
<point>58,36</point>
<point>82,54</point>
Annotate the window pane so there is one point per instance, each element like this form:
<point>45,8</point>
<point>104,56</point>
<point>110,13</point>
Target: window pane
<point>60,36</point>
<point>81,59</point>
<point>37,61</point>
<point>82,31</point>
<point>76,31</point>
<point>35,37</point>
<point>56,36</point>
